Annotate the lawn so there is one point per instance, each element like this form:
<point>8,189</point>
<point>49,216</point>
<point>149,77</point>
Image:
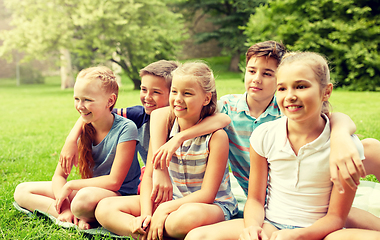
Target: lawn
<point>36,119</point>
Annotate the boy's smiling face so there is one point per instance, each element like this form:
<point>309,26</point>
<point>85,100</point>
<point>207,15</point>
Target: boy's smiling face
<point>154,93</point>
<point>260,80</point>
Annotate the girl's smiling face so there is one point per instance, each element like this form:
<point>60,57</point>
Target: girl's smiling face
<point>187,98</point>
<point>90,99</point>
<point>299,93</point>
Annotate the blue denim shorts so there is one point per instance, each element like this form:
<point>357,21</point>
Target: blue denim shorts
<point>226,211</point>
<point>280,226</point>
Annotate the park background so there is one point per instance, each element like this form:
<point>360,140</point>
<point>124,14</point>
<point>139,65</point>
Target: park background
<point>43,44</point>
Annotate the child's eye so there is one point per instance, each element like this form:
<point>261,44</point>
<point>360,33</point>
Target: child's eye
<point>301,87</point>
<point>157,92</point>
<point>88,100</point>
<point>174,91</point>
<point>281,89</point>
<point>252,71</point>
<point>188,93</point>
<point>268,74</point>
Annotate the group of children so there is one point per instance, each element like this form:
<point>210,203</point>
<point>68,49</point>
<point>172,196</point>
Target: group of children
<point>298,164</point>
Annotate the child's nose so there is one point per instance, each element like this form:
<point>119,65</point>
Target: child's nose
<point>291,96</point>
<point>148,96</point>
<point>256,78</point>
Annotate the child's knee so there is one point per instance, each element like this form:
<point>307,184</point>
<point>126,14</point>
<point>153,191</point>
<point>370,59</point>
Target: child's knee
<point>102,210</point>
<point>84,200</point>
<point>184,219</point>
<point>20,192</point>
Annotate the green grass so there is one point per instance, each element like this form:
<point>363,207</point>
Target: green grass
<point>35,120</point>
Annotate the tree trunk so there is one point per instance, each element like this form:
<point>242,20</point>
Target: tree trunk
<point>67,79</point>
<point>234,64</point>
<point>137,83</point>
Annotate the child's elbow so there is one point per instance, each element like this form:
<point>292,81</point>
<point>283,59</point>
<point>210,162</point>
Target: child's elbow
<point>114,185</point>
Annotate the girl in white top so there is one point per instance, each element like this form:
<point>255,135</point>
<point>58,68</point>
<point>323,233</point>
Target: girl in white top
<point>299,200</point>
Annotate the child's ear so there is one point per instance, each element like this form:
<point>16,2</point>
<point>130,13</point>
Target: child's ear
<point>111,100</point>
<point>207,99</point>
<point>327,92</point>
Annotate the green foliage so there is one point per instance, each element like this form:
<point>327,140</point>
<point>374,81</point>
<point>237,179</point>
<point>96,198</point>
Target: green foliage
<point>228,17</point>
<point>345,31</point>
<point>131,33</point>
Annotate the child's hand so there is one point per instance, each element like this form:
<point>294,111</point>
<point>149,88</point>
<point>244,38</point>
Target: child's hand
<point>163,155</point>
<point>253,232</point>
<point>64,195</point>
<point>344,159</point>
<point>162,190</point>
<point>140,224</point>
<point>67,216</point>
<point>157,224</point>
<point>68,156</point>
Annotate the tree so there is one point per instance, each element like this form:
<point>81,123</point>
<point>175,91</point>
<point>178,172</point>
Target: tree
<point>129,33</point>
<point>40,28</point>
<point>345,31</point>
<point>228,16</point>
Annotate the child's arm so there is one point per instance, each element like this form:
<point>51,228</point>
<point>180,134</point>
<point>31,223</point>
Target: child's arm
<point>145,194</point>
<point>339,207</point>
<point>208,125</point>
<point>216,165</point>
<point>344,157</point>
<point>123,159</point>
<point>58,181</point>
<point>69,153</point>
<point>254,213</point>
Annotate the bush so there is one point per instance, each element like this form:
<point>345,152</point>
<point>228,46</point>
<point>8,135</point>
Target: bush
<point>345,31</point>
<point>30,75</point>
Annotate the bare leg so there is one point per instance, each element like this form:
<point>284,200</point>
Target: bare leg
<point>190,216</point>
<point>353,234</point>
<point>372,156</point>
<point>36,195</point>
<point>115,213</point>
<point>39,195</point>
<point>223,230</point>
<point>358,218</point>
<point>84,203</point>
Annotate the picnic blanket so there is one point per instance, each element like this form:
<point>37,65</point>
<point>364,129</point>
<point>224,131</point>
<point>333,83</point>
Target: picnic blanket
<point>367,198</point>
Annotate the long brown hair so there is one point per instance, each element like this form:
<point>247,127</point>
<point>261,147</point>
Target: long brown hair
<point>109,85</point>
<point>202,74</point>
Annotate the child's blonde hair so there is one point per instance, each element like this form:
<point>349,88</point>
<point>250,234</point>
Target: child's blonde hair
<point>202,74</point>
<point>109,85</point>
<point>319,66</point>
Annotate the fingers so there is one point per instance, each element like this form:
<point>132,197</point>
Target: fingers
<point>58,204</point>
<point>146,222</point>
<point>159,196</point>
<point>156,158</point>
<point>154,193</point>
<point>334,172</point>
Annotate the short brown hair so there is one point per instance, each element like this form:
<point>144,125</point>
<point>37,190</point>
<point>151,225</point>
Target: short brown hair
<point>161,68</point>
<point>266,49</point>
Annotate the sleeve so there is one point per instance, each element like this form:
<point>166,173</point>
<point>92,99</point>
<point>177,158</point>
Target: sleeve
<point>223,105</point>
<point>359,146</point>
<point>128,132</point>
<point>135,113</point>
<point>258,139</point>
